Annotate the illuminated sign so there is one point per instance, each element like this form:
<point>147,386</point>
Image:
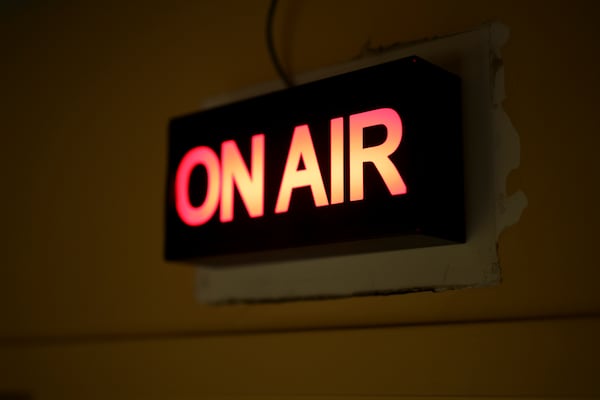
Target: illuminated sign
<point>356,158</point>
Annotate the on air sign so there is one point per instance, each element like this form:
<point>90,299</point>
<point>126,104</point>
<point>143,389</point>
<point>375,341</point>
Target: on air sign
<point>355,158</point>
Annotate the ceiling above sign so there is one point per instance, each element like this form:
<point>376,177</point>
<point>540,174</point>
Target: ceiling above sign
<point>368,157</point>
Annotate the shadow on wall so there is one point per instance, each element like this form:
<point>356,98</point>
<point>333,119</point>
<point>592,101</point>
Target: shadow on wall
<point>15,396</point>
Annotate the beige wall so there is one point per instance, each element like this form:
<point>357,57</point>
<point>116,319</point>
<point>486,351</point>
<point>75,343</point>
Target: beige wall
<point>87,304</point>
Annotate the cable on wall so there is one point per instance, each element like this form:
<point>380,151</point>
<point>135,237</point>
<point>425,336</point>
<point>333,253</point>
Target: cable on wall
<point>270,45</point>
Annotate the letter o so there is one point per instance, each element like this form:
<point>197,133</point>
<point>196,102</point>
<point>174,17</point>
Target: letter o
<point>190,215</point>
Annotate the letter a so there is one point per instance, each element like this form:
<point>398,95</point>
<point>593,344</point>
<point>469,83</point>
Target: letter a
<point>301,148</point>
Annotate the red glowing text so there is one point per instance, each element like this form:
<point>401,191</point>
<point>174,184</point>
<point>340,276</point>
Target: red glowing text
<point>230,172</point>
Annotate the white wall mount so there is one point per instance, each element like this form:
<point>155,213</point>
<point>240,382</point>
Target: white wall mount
<point>492,150</point>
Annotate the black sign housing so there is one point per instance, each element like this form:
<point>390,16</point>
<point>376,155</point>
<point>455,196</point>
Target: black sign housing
<point>428,158</point>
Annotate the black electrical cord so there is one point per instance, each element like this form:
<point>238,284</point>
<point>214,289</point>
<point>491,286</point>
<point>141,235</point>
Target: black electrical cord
<point>271,46</point>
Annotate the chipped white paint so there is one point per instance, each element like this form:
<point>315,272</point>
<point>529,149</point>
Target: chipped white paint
<point>491,152</point>
<point>506,138</point>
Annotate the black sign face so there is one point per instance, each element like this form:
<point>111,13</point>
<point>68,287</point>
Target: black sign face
<point>359,157</point>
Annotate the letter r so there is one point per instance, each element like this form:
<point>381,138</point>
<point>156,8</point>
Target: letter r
<point>377,155</point>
